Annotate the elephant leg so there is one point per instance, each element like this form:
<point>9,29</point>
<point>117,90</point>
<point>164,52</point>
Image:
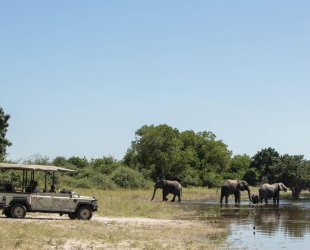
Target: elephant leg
<point>173,199</point>
<point>179,198</point>
<point>222,195</point>
<point>237,197</point>
<point>266,200</point>
<point>164,196</point>
<point>226,198</point>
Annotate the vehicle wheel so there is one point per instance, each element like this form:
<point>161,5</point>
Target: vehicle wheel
<point>84,213</point>
<point>18,211</point>
<point>72,216</point>
<point>7,213</point>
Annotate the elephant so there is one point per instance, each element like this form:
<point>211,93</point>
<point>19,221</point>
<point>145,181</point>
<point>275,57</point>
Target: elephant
<point>267,191</point>
<point>234,187</point>
<point>255,198</point>
<point>172,187</point>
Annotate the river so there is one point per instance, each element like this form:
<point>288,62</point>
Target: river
<point>260,226</point>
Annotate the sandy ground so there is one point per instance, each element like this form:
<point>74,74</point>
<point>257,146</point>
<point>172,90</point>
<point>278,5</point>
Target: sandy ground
<point>141,229</point>
<point>35,217</point>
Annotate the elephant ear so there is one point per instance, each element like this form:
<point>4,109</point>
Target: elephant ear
<point>241,185</point>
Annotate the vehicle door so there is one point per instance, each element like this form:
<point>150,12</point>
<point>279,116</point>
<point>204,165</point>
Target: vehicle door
<point>41,201</point>
<point>62,202</point>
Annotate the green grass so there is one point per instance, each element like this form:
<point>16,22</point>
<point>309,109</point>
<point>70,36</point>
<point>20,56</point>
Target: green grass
<point>55,232</point>
<point>137,203</point>
<point>178,228</point>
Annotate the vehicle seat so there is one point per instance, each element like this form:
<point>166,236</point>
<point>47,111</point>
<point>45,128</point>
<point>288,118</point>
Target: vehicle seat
<point>10,187</point>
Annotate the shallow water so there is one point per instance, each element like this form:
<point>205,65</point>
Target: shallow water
<point>260,226</point>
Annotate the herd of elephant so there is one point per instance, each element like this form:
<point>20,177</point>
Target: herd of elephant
<point>230,187</point>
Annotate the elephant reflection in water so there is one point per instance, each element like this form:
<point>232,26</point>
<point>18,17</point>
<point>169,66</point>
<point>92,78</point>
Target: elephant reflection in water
<point>292,219</point>
<point>269,220</point>
<point>267,191</point>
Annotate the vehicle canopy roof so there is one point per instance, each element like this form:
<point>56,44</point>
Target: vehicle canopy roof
<point>34,167</point>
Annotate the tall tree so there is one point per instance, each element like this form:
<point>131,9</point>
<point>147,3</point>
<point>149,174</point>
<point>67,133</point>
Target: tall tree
<point>295,173</point>
<point>267,163</point>
<point>239,165</point>
<point>4,143</point>
<point>156,148</point>
<point>163,152</point>
<point>212,154</point>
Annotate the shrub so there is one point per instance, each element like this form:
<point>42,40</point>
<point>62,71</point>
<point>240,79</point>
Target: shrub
<point>125,177</point>
<point>211,180</point>
<point>60,161</point>
<point>191,179</point>
<point>251,176</point>
<point>79,162</point>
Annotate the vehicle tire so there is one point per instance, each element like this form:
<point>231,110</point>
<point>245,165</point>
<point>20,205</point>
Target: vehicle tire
<point>7,213</point>
<point>84,213</point>
<point>18,211</point>
<point>72,216</point>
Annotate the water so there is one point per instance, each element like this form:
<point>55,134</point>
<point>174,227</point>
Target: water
<point>260,226</point>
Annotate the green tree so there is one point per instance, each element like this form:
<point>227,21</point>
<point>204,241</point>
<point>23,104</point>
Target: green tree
<point>104,165</point>
<point>163,152</point>
<point>4,143</point>
<point>158,147</point>
<point>295,173</point>
<point>78,162</point>
<point>125,177</point>
<point>239,165</point>
<point>60,161</point>
<point>213,154</point>
<point>267,163</point>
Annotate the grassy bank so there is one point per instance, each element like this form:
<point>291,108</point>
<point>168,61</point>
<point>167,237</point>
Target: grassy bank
<point>153,225</point>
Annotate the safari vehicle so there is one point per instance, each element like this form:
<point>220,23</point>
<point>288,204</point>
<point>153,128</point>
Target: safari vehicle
<point>17,201</point>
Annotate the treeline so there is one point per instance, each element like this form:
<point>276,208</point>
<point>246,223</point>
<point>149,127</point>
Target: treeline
<point>194,159</point>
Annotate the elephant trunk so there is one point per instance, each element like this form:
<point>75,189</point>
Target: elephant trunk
<point>153,194</point>
<point>249,193</point>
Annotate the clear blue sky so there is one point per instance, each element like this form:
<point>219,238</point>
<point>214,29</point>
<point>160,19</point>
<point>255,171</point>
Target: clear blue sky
<point>80,77</point>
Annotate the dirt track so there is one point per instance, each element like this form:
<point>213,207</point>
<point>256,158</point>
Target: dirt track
<point>125,233</point>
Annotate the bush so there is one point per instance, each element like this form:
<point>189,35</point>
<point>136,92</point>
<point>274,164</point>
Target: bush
<point>79,162</point>
<point>106,165</point>
<point>124,177</point>
<point>103,182</point>
<point>211,180</point>
<point>251,177</point>
<point>60,161</point>
<point>191,179</point>
<point>231,176</point>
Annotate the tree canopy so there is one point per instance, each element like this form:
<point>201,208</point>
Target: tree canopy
<point>163,152</point>
<point>266,162</point>
<point>4,143</point>
<point>295,173</point>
